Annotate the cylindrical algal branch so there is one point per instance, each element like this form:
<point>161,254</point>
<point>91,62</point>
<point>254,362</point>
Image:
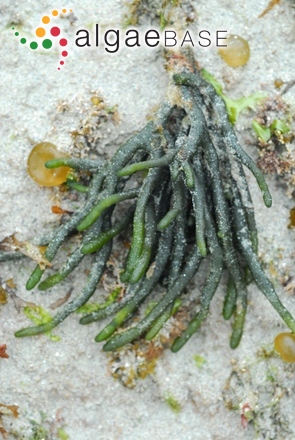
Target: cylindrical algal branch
<point>191,203</point>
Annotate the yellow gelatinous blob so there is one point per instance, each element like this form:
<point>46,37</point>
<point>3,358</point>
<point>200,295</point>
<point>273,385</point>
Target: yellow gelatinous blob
<point>292,218</point>
<point>237,52</point>
<point>285,345</point>
<point>95,100</point>
<point>40,154</point>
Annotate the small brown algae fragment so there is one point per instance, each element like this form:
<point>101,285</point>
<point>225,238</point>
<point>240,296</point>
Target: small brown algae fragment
<point>40,154</point>
<point>285,345</point>
<point>237,52</point>
<point>271,4</point>
<point>3,295</point>
<point>292,218</point>
<point>278,83</point>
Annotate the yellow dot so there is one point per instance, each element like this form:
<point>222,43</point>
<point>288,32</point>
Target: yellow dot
<point>237,52</point>
<point>95,100</point>
<point>64,11</point>
<point>285,345</point>
<point>45,19</point>
<point>55,12</point>
<point>40,154</point>
<point>40,32</point>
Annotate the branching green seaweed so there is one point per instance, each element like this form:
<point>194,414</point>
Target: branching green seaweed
<point>194,171</point>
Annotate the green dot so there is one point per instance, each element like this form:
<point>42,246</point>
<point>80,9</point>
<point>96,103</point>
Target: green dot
<point>16,34</point>
<point>47,44</point>
<point>23,41</point>
<point>33,45</point>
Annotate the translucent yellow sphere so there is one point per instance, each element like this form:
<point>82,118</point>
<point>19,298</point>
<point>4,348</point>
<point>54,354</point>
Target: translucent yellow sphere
<point>285,345</point>
<point>237,52</point>
<point>40,154</point>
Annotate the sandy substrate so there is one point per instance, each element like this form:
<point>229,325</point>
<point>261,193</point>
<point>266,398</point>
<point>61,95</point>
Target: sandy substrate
<point>70,381</point>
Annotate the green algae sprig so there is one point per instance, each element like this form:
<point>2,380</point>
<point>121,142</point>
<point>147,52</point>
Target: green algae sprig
<point>191,204</point>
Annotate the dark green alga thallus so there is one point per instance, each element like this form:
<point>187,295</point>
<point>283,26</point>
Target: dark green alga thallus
<point>193,204</point>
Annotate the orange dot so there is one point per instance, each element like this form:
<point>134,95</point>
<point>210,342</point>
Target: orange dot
<point>55,12</point>
<point>40,32</point>
<point>71,10</point>
<point>64,11</point>
<point>45,19</point>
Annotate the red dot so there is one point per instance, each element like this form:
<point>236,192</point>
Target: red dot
<point>55,31</point>
<point>64,53</point>
<point>63,42</point>
<point>58,68</point>
<point>61,62</point>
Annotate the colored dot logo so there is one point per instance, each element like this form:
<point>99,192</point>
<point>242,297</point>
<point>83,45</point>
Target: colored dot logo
<point>48,33</point>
